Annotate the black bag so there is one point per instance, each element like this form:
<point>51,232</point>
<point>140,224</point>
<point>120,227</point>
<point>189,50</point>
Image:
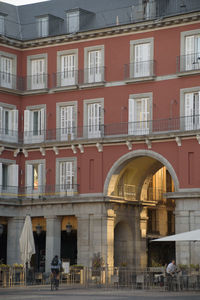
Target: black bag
<point>55,261</point>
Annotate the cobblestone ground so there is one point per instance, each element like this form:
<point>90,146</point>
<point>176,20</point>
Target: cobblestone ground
<point>39,293</point>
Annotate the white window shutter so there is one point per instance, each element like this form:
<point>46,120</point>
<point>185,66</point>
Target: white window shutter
<point>189,52</point>
<point>189,98</point>
<point>29,176</point>
<point>42,120</point>
<point>131,116</point>
<point>27,121</point>
<point>13,175</point>
<point>14,118</point>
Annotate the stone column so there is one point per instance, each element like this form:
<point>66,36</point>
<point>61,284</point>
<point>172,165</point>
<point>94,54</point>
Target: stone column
<point>95,234</point>
<point>53,239</point>
<point>15,226</point>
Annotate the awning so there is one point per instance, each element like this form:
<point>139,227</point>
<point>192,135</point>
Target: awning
<point>193,235</point>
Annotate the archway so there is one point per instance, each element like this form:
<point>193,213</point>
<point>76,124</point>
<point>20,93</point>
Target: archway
<point>143,179</point>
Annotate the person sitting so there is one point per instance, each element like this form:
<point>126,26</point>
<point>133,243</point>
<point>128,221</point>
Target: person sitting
<point>55,268</point>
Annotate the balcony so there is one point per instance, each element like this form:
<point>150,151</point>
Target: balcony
<point>36,82</point>
<point>9,136</point>
<point>139,71</point>
<point>64,80</point>
<point>136,130</point>
<point>188,64</point>
<point>11,82</point>
<point>91,77</point>
<point>41,192</point>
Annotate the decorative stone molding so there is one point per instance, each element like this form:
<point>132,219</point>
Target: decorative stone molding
<point>73,147</point>
<point>56,150</point>
<point>198,138</point>
<point>129,145</point>
<point>81,148</point>
<point>1,149</point>
<point>16,152</point>
<point>178,141</point>
<point>99,147</point>
<point>42,150</point>
<point>148,142</point>
<point>25,152</point>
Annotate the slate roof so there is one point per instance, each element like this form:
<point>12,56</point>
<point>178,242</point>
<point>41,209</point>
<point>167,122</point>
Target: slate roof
<point>20,21</point>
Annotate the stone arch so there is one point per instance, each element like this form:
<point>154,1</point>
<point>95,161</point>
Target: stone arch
<point>113,173</point>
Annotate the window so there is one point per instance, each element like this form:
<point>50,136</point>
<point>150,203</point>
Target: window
<point>8,69</point>
<point>66,120</point>
<point>43,26</point>
<point>67,65</point>
<point>2,25</point>
<point>94,62</point>
<point>66,175</point>
<point>37,72</point>
<point>139,115</point>
<point>73,21</point>
<point>141,58</point>
<point>8,123</point>
<point>35,176</point>
<point>34,124</point>
<point>192,52</point>
<point>8,176</point>
<point>93,118</point>
<point>192,111</point>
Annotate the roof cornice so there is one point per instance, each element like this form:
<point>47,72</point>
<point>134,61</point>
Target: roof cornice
<point>104,32</point>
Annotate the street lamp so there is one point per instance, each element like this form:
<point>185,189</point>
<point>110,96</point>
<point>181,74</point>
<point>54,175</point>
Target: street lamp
<point>38,229</point>
<point>68,228</point>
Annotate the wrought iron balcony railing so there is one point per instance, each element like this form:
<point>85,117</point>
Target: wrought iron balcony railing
<point>10,81</point>
<point>188,63</point>
<point>39,192</point>
<point>36,82</point>
<point>65,79</point>
<point>92,75</point>
<point>116,130</point>
<point>137,70</point>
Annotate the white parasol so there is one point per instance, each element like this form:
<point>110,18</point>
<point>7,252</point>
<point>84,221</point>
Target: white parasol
<point>26,241</point>
<point>193,235</point>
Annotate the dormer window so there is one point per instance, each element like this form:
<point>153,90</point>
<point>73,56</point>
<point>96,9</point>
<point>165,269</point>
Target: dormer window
<point>43,26</point>
<point>2,24</point>
<point>73,21</point>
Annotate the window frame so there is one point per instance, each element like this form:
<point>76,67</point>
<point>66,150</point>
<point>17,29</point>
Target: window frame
<point>134,43</point>
<point>85,118</point>
<point>183,36</point>
<point>59,106</point>
<point>100,48</point>
<point>183,120</point>
<point>12,134</point>
<point>9,162</point>
<point>60,54</point>
<point>2,21</point>
<point>143,131</point>
<point>13,73</point>
<point>57,179</point>
<point>30,59</point>
<point>41,187</point>
<point>41,27</point>
<point>30,138</point>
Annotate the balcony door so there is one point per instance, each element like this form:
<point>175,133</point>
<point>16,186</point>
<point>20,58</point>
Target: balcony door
<point>94,66</point>
<point>192,52</point>
<point>94,120</point>
<point>139,111</point>
<point>37,74</point>
<point>6,72</point>
<point>192,111</point>
<point>67,120</point>
<point>142,60</point>
<point>68,70</point>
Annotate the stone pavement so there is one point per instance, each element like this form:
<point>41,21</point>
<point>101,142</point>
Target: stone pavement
<point>73,293</point>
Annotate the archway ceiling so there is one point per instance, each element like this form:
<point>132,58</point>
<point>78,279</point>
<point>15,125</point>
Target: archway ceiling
<point>138,169</point>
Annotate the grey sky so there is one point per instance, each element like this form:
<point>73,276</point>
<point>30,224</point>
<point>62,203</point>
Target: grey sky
<point>22,2</point>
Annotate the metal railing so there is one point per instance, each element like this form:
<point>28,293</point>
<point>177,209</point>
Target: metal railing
<point>92,75</point>
<point>36,82</point>
<point>39,192</point>
<point>66,78</point>
<point>138,70</point>
<point>10,81</point>
<point>152,278</point>
<point>189,62</point>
